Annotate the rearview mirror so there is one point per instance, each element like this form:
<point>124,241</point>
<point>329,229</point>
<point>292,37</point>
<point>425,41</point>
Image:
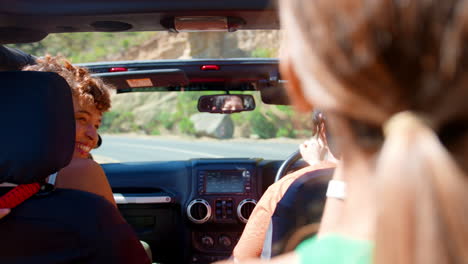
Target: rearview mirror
<point>226,103</point>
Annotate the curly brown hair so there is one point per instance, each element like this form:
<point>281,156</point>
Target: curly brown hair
<point>85,88</point>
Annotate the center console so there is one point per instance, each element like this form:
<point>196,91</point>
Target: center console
<point>225,196</point>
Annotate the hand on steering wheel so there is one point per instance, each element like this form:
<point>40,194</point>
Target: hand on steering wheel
<point>313,151</point>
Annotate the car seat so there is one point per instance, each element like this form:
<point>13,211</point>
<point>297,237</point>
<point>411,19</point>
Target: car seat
<point>301,205</point>
<point>55,225</point>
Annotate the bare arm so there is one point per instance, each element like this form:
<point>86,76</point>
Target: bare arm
<point>313,151</point>
<point>290,258</point>
<point>85,175</point>
<point>332,213</point>
<point>250,244</point>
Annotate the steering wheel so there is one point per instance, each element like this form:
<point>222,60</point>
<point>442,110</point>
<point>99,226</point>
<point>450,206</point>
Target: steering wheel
<point>287,163</point>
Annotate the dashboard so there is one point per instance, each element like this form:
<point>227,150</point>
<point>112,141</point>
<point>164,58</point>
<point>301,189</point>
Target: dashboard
<point>190,211</point>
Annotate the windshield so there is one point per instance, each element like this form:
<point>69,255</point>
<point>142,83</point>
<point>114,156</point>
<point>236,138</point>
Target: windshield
<point>168,126</point>
<point>159,126</point>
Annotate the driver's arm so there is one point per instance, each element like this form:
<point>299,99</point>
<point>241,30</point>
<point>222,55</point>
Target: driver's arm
<point>250,244</point>
<point>333,209</point>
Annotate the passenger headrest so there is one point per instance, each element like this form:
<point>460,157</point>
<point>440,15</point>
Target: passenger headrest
<point>37,125</point>
<point>14,59</point>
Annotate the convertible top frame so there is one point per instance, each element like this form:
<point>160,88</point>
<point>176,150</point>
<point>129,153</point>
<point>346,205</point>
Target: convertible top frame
<point>24,21</point>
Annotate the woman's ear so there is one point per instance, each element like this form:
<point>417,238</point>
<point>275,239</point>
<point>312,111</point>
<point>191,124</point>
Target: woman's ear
<point>294,86</point>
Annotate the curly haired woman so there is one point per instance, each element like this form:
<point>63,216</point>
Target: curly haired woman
<point>91,98</point>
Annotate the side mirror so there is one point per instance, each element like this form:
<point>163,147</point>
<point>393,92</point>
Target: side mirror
<point>226,103</point>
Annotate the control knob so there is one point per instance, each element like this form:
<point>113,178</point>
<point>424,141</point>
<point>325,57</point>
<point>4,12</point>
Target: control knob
<point>207,241</point>
<point>225,241</point>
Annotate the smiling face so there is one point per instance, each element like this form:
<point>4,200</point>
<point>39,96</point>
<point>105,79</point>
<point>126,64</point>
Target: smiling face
<point>87,119</point>
<point>232,103</point>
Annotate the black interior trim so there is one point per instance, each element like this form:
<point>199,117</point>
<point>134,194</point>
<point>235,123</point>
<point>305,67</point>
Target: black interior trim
<point>25,21</point>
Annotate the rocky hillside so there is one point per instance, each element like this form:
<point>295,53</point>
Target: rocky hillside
<point>185,45</point>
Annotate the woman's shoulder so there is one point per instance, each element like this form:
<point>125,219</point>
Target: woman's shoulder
<point>82,166</point>
<point>85,175</point>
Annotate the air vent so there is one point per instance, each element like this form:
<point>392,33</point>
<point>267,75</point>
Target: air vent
<point>245,208</point>
<point>199,211</point>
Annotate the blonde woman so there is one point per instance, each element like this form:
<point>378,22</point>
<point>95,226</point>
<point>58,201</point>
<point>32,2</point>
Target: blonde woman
<point>392,78</point>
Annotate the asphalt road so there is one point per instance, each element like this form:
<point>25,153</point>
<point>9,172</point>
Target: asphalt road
<point>134,148</point>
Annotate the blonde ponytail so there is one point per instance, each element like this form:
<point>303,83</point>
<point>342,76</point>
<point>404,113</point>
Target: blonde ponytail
<point>422,208</point>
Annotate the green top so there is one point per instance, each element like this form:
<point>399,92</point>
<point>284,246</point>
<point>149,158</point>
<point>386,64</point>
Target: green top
<point>335,249</point>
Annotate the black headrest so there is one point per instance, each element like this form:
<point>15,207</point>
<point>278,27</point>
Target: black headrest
<point>37,125</point>
<point>14,59</point>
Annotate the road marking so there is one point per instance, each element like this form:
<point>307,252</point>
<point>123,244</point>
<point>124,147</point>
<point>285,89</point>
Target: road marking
<point>104,159</point>
<point>170,149</point>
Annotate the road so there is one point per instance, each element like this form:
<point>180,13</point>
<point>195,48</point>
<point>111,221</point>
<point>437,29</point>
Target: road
<point>140,148</point>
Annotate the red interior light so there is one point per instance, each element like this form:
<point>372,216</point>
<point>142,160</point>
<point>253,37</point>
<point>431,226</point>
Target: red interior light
<point>210,68</point>
<point>118,69</point>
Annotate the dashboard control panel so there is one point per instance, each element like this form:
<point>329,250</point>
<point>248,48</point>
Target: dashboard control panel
<point>224,208</point>
<point>224,196</point>
<point>224,182</point>
<point>225,193</point>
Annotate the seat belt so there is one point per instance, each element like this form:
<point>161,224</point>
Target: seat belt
<point>267,243</point>
<point>22,192</point>
<point>19,194</point>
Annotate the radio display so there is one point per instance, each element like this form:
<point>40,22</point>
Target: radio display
<point>228,181</point>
